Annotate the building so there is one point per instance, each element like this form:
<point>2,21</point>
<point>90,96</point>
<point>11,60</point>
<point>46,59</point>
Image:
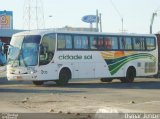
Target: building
<point>6,26</point>
<point>6,34</point>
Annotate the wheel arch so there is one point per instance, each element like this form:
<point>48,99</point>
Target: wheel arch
<point>65,68</point>
<point>133,69</point>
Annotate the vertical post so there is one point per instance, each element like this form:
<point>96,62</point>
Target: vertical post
<point>100,22</point>
<point>91,27</point>
<point>97,20</point>
<point>122,25</point>
<point>150,29</point>
<point>11,20</point>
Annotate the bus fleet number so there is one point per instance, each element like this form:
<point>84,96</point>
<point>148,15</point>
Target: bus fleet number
<point>44,72</point>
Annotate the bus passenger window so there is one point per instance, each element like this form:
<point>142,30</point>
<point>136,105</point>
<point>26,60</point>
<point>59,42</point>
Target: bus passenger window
<point>61,42</point>
<point>114,43</point>
<point>111,43</point>
<point>125,43</point>
<point>100,43</point>
<point>107,43</point>
<point>93,42</point>
<point>84,42</point>
<point>139,43</point>
<point>150,42</point>
<point>68,39</point>
<point>64,42</point>
<point>77,42</point>
<point>80,42</point>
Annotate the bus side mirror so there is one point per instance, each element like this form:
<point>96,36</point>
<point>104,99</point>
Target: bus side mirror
<point>41,49</point>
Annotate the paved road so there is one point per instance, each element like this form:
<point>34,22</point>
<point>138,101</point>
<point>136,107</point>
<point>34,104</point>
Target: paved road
<point>81,96</point>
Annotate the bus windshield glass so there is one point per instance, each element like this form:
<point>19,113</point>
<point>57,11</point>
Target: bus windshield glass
<point>23,50</point>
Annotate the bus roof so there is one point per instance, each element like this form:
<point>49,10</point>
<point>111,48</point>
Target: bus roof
<point>47,31</point>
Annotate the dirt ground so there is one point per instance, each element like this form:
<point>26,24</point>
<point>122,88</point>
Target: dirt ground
<point>142,96</point>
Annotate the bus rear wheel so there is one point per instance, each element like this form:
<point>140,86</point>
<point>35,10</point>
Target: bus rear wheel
<point>64,77</point>
<point>38,83</point>
<point>130,75</point>
<point>106,80</point>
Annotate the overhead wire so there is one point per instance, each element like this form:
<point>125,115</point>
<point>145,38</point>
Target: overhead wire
<point>118,12</point>
<point>114,6</point>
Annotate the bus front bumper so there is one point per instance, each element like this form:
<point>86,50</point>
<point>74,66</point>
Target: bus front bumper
<point>24,77</point>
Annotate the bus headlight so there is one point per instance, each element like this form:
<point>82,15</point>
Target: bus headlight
<point>33,71</point>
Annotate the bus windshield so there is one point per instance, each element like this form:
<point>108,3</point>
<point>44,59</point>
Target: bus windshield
<point>23,50</point>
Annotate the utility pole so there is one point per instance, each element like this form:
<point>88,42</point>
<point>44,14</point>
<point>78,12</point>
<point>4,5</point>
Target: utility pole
<point>122,25</point>
<point>100,21</point>
<point>97,20</point>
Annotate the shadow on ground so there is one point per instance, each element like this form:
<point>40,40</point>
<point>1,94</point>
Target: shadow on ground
<point>50,87</point>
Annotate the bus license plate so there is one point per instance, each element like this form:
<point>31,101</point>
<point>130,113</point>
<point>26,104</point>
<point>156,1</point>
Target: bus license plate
<point>19,78</point>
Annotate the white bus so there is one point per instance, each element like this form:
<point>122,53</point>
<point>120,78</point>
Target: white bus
<point>41,56</point>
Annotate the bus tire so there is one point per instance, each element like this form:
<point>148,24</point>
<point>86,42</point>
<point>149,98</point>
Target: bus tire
<point>106,80</point>
<point>38,83</point>
<point>64,77</point>
<point>130,75</point>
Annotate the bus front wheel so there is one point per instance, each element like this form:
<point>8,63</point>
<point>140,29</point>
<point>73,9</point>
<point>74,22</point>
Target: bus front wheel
<point>64,76</point>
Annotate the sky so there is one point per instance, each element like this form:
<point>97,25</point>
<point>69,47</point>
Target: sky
<point>136,14</point>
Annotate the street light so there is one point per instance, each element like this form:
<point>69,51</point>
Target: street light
<point>152,20</point>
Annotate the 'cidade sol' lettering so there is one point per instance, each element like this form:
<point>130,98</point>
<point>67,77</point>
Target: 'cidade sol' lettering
<point>75,57</point>
<point>70,57</point>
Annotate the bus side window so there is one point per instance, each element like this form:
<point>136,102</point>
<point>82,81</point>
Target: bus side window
<point>81,42</point>
<point>100,42</point>
<point>61,42</point>
<point>93,42</point>
<point>139,43</point>
<point>77,42</point>
<point>107,43</point>
<point>68,39</point>
<point>84,42</point>
<point>125,43</point>
<point>64,42</point>
<point>150,42</point>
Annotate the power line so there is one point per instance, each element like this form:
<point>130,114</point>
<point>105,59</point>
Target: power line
<point>114,6</point>
<point>119,14</point>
